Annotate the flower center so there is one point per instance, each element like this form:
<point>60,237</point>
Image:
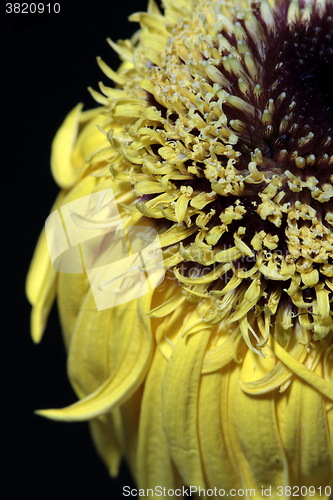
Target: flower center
<point>300,61</point>
<point>299,71</point>
<point>233,159</point>
<point>291,94</point>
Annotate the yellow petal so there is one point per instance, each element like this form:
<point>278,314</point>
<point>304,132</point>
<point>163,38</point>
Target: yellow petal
<point>305,435</point>
<point>214,448</point>
<point>42,307</point>
<point>41,263</point>
<point>61,156</point>
<point>168,306</point>
<point>41,280</point>
<point>276,377</point>
<point>154,463</point>
<point>90,138</point>
<point>180,401</point>
<point>329,413</point>
<point>257,427</point>
<point>175,234</point>
<point>65,168</point>
<point>71,290</point>
<point>229,410</point>
<point>126,420</point>
<point>221,355</point>
<point>302,371</point>
<point>41,283</point>
<point>131,350</point>
<point>250,298</point>
<point>104,436</point>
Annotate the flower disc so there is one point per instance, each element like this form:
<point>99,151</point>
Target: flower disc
<point>228,145</point>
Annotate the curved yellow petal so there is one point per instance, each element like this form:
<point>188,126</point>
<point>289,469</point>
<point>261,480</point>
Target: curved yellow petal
<point>154,465</point>
<point>126,422</point>
<point>319,383</point>
<point>91,138</point>
<point>104,436</point>
<point>72,289</point>
<point>92,356</point>
<point>180,402</point>
<point>66,162</point>
<point>62,147</point>
<point>305,434</point>
<point>257,428</point>
<point>229,408</point>
<point>42,307</point>
<point>277,376</point>
<point>214,448</point>
<point>41,283</point>
<point>41,279</point>
<point>41,264</point>
<point>221,355</point>
<point>132,345</point>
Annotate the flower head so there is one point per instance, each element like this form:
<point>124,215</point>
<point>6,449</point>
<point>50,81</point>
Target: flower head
<point>218,134</point>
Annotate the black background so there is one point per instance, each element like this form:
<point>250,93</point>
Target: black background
<point>47,62</point>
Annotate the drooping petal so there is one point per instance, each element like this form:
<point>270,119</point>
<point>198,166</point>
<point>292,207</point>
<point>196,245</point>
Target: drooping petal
<point>67,163</point>
<point>41,283</point>
<point>130,358</point>
<point>229,408</point>
<point>40,263</point>
<point>126,423</point>
<point>180,403</point>
<point>73,287</point>
<point>154,465</point>
<point>214,448</point>
<point>103,433</point>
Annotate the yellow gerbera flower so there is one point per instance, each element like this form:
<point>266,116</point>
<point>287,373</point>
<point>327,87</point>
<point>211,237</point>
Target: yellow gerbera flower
<point>217,135</point>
